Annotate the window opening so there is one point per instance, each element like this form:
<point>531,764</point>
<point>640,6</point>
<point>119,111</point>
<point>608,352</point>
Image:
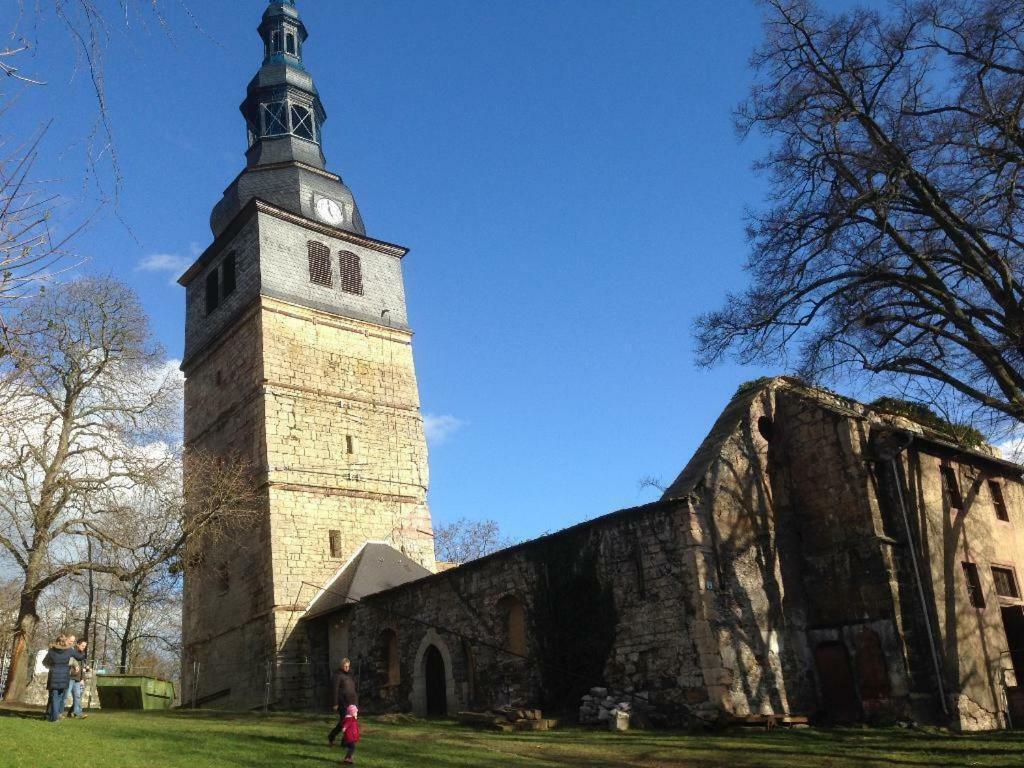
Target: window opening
<point>351,273</point>
<point>275,41</point>
<point>349,444</point>
<point>275,118</point>
<point>638,565</point>
<point>995,490</point>
<point>229,274</point>
<point>212,296</point>
<point>511,610</point>
<point>319,264</point>
<point>290,43</point>
<point>1006,582</point>
<point>224,577</point>
<point>302,123</point>
<point>389,652</point>
<point>974,593</point>
<point>334,537</point>
<point>951,487</point>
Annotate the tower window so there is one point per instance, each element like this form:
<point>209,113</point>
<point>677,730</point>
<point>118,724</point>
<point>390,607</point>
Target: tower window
<point>351,273</point>
<point>290,43</point>
<point>334,537</point>
<point>951,487</point>
<point>302,123</point>
<point>275,41</point>
<point>974,593</point>
<point>996,492</point>
<point>229,274</point>
<point>212,295</point>
<point>275,118</point>
<point>1006,582</point>
<point>319,264</point>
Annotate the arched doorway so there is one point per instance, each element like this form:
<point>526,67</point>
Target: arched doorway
<point>437,683</point>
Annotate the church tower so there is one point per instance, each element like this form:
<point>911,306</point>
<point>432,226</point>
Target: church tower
<point>298,360</point>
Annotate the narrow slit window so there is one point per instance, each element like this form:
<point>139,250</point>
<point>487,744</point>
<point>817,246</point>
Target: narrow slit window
<point>995,490</point>
<point>1006,582</point>
<point>334,538</point>
<point>974,594</point>
<point>229,274</point>
<point>351,273</point>
<point>212,291</point>
<point>319,264</point>
<point>952,487</point>
<point>349,444</point>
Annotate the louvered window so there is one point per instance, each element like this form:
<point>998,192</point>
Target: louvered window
<point>229,274</point>
<point>351,273</point>
<point>319,264</point>
<point>212,291</point>
<point>302,123</point>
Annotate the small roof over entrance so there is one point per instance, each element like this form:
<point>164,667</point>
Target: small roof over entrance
<point>374,568</point>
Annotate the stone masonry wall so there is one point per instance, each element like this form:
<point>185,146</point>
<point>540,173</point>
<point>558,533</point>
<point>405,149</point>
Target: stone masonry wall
<point>606,603</point>
<point>346,453</point>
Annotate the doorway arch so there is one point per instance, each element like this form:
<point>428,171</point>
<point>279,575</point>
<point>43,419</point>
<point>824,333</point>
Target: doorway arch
<point>433,685</point>
<point>436,682</point>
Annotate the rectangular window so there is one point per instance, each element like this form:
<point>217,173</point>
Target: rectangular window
<point>996,492</point>
<point>275,42</point>
<point>212,291</point>
<point>951,487</point>
<point>351,273</point>
<point>335,541</point>
<point>275,118</point>
<point>319,264</point>
<point>302,123</point>
<point>290,43</point>
<point>228,271</point>
<point>974,593</point>
<point>1006,582</point>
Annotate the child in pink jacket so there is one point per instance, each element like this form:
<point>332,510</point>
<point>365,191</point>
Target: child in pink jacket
<point>350,733</point>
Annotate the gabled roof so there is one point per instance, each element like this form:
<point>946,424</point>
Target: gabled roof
<point>374,568</point>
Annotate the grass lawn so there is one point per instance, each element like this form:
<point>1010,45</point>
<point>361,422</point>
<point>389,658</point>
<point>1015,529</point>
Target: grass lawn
<point>205,740</point>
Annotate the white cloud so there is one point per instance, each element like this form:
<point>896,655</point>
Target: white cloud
<point>439,428</point>
<point>169,263</point>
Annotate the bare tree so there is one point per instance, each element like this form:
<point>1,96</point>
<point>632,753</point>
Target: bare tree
<point>892,241</point>
<point>465,540</point>
<point>88,464</point>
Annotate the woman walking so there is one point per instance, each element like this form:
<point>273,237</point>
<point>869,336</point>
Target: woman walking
<point>58,661</point>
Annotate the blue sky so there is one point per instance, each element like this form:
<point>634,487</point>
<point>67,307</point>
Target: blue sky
<point>565,174</point>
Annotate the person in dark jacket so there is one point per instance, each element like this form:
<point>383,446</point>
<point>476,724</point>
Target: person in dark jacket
<point>58,660</point>
<point>345,695</point>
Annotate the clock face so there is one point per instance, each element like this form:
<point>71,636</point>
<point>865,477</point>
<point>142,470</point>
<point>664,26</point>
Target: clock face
<point>330,211</point>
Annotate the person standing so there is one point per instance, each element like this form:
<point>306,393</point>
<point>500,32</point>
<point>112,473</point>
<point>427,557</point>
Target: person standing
<point>79,676</point>
<point>58,661</point>
<point>345,695</point>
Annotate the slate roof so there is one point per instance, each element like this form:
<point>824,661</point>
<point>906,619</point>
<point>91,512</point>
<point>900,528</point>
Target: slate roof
<point>374,568</point>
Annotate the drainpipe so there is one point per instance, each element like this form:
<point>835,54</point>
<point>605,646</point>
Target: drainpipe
<point>897,450</point>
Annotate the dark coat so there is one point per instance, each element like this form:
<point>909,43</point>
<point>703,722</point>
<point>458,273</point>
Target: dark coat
<point>345,693</point>
<point>58,660</point>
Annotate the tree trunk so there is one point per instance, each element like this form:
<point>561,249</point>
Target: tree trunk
<point>24,627</point>
<point>129,625</point>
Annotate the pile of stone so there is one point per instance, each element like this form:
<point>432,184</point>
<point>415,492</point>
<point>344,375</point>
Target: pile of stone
<point>508,719</point>
<point>599,708</point>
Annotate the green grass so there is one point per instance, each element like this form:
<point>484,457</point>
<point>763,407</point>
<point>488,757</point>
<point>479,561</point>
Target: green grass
<point>206,740</point>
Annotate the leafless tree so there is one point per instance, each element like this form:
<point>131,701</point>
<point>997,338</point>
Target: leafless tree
<point>88,464</point>
<point>892,242</point>
<point>465,540</point>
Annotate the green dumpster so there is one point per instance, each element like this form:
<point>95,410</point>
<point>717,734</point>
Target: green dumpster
<point>134,692</point>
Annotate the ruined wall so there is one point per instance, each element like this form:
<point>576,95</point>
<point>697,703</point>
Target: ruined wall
<point>606,603</point>
<point>971,639</point>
